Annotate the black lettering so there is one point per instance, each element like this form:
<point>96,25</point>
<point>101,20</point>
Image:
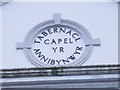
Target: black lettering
<point>40,37</point>
<point>49,31</point>
<point>61,49</point>
<point>36,41</point>
<point>40,55</point>
<point>55,30</point>
<point>76,52</point>
<point>46,41</point>
<point>58,61</point>
<point>65,41</point>
<point>74,35</point>
<point>59,40</point>
<point>70,41</point>
<point>38,52</point>
<point>53,41</point>
<point>79,48</point>
<point>44,33</point>
<point>77,39</point>
<point>45,59</point>
<point>64,61</point>
<point>54,49</point>
<point>52,62</point>
<point>72,57</point>
<point>62,30</point>
<point>48,61</point>
<point>69,32</point>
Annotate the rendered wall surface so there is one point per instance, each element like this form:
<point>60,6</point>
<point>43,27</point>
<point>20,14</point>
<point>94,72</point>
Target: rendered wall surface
<point>100,19</point>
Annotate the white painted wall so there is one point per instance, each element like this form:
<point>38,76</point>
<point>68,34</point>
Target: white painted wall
<point>100,19</point>
<point>0,37</point>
